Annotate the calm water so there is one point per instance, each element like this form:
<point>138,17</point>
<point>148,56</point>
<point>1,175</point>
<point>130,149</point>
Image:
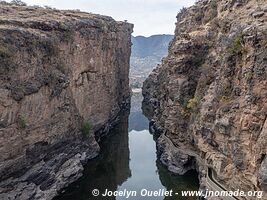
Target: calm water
<point>128,161</point>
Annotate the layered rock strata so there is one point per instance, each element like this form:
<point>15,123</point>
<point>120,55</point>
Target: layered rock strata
<point>207,101</point>
<point>62,73</point>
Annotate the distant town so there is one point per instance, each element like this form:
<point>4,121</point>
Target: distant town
<point>147,53</point>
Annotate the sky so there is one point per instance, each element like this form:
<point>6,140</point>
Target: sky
<point>149,17</point>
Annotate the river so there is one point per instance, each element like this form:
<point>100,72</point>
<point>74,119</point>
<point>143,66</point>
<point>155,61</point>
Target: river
<point>128,161</point>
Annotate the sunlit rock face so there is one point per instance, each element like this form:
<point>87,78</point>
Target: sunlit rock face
<point>60,70</point>
<point>209,94</point>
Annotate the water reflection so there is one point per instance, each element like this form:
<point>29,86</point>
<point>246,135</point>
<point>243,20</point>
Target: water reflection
<point>142,164</point>
<point>177,183</point>
<point>137,122</point>
<point>109,170</point>
<point>128,161</point>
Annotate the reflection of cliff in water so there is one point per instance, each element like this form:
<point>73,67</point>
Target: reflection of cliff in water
<point>189,181</point>
<point>107,171</point>
<point>137,121</point>
<point>116,169</point>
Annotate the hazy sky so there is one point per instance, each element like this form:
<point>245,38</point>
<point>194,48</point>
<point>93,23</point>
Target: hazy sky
<point>149,16</point>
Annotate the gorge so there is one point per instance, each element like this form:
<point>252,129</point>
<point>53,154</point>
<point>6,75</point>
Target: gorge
<point>128,162</point>
<point>67,126</point>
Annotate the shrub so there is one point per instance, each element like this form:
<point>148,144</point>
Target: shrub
<point>50,47</point>
<point>68,35</point>
<point>86,128</point>
<point>185,113</point>
<point>6,61</point>
<point>22,122</point>
<point>67,32</point>
<point>213,4</point>
<point>18,3</point>
<point>193,103</point>
<point>249,75</point>
<point>183,102</point>
<point>236,47</point>
<point>225,99</point>
<point>48,7</point>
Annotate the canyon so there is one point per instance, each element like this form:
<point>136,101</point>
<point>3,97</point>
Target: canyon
<point>207,101</point>
<point>63,82</point>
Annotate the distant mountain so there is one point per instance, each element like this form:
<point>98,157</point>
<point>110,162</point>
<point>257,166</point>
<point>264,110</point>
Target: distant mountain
<point>147,52</point>
<point>155,45</point>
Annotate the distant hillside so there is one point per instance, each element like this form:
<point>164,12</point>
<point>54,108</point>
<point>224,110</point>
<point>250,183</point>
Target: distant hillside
<point>155,45</point>
<point>147,52</point>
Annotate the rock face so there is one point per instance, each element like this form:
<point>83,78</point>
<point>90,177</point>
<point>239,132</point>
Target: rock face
<point>62,73</point>
<point>209,95</point>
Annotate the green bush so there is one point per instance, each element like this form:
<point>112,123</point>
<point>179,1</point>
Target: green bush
<point>68,35</point>
<point>22,122</point>
<point>236,47</point>
<point>6,61</point>
<point>67,32</point>
<point>213,4</point>
<point>86,128</point>
<point>183,102</point>
<point>225,99</point>
<point>193,103</point>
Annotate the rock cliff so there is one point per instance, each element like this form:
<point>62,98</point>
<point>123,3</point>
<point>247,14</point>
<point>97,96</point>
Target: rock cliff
<point>63,81</point>
<point>207,101</point>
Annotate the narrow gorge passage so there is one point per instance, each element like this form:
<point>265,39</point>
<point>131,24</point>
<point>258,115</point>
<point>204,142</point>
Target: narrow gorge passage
<point>128,161</point>
<point>72,83</point>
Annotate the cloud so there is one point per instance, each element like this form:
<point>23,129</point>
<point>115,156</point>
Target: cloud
<point>149,16</point>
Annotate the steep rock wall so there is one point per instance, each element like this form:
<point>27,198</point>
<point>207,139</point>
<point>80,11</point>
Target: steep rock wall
<point>208,98</point>
<point>61,73</point>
